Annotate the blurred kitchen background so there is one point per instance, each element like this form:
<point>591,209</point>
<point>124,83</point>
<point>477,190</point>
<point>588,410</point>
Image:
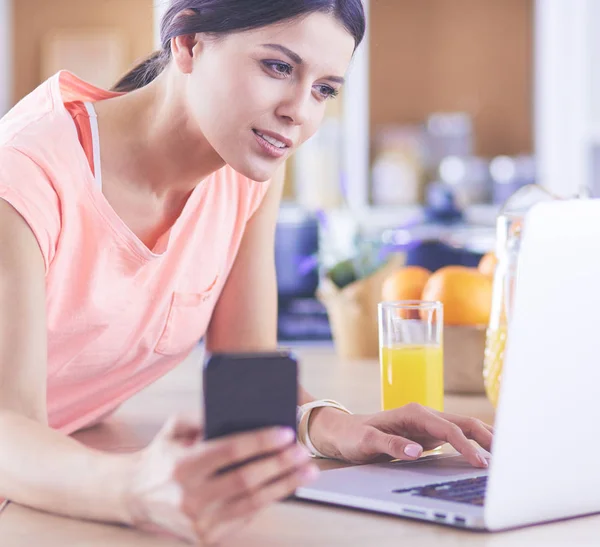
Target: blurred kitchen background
<point>450,107</point>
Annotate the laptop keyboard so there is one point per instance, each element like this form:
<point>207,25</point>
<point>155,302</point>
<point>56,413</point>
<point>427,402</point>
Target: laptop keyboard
<point>470,491</point>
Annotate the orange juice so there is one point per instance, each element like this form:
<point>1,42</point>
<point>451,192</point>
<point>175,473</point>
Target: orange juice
<point>412,374</point>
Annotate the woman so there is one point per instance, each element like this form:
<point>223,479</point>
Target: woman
<point>136,221</point>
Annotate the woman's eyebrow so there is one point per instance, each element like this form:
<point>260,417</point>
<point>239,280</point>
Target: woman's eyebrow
<point>298,60</point>
<point>286,51</point>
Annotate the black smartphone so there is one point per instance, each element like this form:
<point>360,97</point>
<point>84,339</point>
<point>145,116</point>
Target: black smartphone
<point>248,391</point>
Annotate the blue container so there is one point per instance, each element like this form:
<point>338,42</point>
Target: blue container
<point>296,245</point>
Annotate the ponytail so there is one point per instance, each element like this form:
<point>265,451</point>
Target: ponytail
<point>144,73</point>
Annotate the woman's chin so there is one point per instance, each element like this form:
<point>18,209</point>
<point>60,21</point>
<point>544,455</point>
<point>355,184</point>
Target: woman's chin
<point>258,171</point>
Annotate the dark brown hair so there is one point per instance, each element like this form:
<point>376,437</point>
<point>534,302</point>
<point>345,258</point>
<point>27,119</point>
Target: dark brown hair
<point>224,16</point>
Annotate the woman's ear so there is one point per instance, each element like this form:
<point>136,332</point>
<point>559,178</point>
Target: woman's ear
<point>183,50</point>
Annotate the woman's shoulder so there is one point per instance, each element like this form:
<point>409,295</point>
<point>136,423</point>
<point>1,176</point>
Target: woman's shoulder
<point>38,127</point>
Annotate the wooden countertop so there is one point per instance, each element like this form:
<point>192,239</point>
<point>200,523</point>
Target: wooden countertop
<point>291,523</point>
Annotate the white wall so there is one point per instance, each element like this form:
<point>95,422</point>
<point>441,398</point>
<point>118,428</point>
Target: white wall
<point>564,74</point>
<point>6,79</point>
<point>356,148</point>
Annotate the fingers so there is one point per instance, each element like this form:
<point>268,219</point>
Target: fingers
<point>474,429</point>
<point>248,478</point>
<point>253,501</point>
<point>237,495</point>
<point>445,430</point>
<point>207,458</point>
<point>458,417</point>
<point>393,445</point>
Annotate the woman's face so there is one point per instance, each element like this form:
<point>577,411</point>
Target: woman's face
<point>258,95</point>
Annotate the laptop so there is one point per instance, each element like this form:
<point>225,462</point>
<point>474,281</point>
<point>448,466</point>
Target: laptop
<point>544,465</point>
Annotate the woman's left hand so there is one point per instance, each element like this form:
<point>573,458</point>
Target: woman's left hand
<point>402,433</point>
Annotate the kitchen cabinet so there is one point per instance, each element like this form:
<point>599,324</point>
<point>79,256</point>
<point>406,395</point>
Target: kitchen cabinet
<point>33,21</point>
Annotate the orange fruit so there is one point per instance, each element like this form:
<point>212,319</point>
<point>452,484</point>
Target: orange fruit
<point>487,264</point>
<point>405,284</point>
<point>466,294</point>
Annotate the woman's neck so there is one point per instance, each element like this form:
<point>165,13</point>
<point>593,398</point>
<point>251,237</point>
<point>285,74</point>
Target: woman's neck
<point>150,140</point>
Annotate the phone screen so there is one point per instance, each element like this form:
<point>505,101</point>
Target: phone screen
<point>244,392</point>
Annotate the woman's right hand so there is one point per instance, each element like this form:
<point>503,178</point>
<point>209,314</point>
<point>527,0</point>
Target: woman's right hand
<point>176,486</point>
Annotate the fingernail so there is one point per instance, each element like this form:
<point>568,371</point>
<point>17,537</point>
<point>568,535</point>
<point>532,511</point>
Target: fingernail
<point>286,435</point>
<point>483,461</point>
<point>413,451</point>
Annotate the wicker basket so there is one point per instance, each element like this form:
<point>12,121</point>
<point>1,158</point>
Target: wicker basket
<point>352,312</point>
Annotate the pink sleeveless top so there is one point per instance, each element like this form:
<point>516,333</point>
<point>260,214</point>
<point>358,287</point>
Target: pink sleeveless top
<point>119,314</point>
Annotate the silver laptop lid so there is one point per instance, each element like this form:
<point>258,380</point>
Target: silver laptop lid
<point>545,456</point>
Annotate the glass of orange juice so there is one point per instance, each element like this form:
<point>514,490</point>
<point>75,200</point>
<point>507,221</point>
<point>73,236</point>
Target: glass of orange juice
<point>411,353</point>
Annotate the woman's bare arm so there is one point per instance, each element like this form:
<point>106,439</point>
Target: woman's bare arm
<point>40,467</point>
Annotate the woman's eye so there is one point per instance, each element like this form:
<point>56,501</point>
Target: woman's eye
<point>278,67</point>
<point>327,92</point>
